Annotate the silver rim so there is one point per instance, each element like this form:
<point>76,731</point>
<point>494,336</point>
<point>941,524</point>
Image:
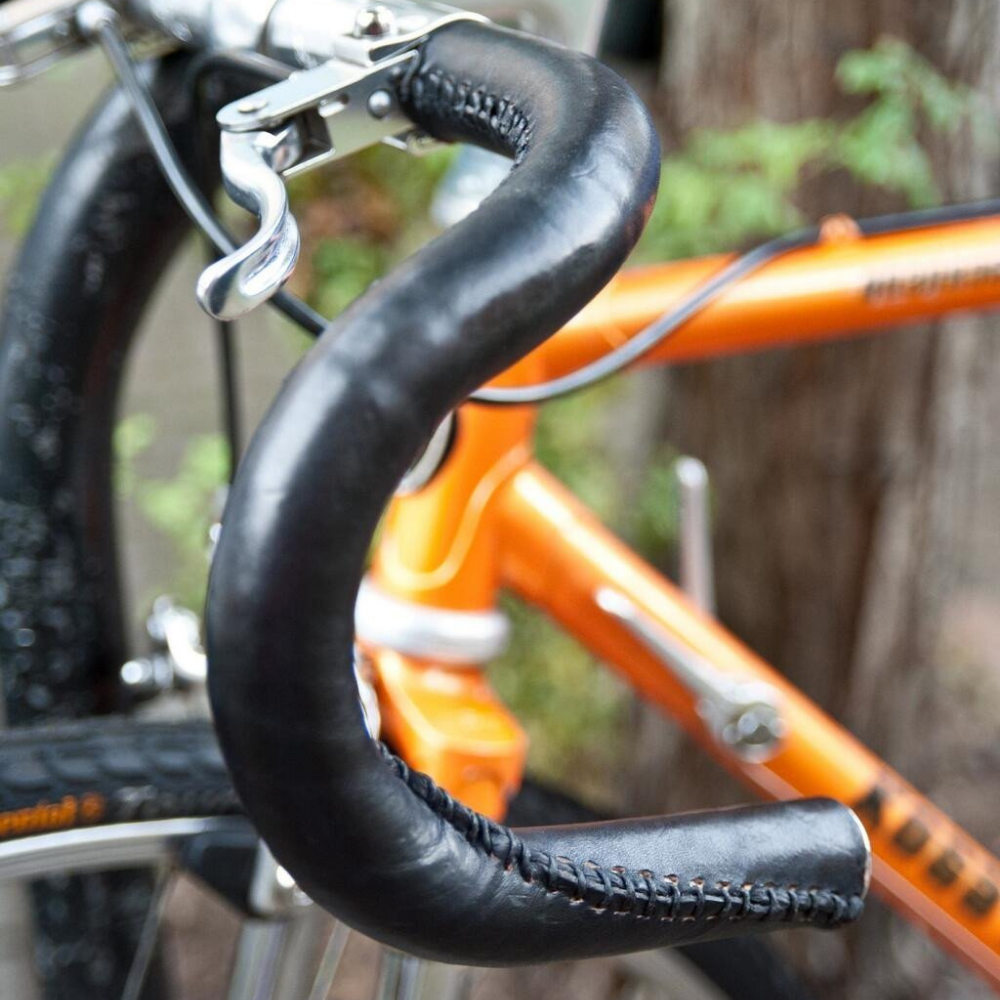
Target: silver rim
<point>271,958</point>
<point>124,845</point>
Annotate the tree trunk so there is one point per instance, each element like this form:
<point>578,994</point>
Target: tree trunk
<point>857,486</point>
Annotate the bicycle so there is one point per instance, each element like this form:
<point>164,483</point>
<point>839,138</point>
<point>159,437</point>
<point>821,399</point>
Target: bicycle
<point>755,725</point>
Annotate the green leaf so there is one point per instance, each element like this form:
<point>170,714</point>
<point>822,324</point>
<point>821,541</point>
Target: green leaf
<point>342,270</point>
<point>206,462</point>
<point>21,186</point>
<point>131,437</point>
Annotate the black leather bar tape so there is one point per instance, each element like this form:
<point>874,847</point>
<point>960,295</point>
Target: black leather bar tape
<point>383,848</point>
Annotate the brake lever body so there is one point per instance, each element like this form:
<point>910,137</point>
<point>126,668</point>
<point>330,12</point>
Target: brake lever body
<point>317,115</point>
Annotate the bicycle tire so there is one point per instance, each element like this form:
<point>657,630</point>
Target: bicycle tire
<point>122,771</point>
<point>95,772</point>
<point>90,773</point>
<point>108,214</point>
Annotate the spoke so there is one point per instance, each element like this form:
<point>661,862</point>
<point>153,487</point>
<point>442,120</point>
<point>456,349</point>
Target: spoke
<point>399,976</point>
<point>146,948</point>
<point>258,958</point>
<point>403,977</point>
<point>665,973</point>
<point>330,962</point>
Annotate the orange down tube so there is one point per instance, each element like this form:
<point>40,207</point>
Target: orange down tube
<point>558,556</point>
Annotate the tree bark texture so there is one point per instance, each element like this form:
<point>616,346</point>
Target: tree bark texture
<point>857,485</point>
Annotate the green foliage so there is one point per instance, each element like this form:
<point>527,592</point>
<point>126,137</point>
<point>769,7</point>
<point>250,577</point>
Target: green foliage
<point>568,434</point>
<point>573,711</point>
<point>892,70</point>
<point>133,435</point>
<point>882,146</point>
<point>652,525</point>
<point>373,210</point>
<point>409,181</point>
<point>342,270</point>
<point>181,507</point>
<point>724,188</point>
<point>21,185</point>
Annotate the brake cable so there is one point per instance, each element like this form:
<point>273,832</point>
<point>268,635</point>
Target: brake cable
<point>104,29</point>
<point>651,336</point>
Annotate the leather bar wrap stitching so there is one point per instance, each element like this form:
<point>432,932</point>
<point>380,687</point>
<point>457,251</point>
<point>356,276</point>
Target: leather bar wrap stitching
<point>380,847</point>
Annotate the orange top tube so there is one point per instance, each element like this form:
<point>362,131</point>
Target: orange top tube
<point>846,284</point>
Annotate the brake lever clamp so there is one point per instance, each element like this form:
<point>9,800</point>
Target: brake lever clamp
<point>317,115</point>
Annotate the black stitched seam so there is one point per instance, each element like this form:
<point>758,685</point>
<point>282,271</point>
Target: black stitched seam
<point>461,101</point>
<point>625,892</point>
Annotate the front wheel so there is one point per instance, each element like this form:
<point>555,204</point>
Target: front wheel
<point>108,795</point>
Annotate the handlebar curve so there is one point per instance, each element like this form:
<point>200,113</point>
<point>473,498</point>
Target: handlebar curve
<point>381,847</point>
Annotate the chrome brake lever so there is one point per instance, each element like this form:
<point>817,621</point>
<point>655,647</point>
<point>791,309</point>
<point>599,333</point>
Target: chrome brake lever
<point>251,171</point>
<point>315,116</point>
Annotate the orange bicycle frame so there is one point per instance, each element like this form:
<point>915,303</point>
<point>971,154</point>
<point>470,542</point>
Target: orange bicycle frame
<point>491,518</point>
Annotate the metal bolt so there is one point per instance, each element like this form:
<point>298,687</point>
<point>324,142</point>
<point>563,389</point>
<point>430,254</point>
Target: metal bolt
<point>138,674</point>
<point>754,733</point>
<point>94,16</point>
<point>147,676</point>
<point>252,106</point>
<point>374,22</point>
<point>380,104</point>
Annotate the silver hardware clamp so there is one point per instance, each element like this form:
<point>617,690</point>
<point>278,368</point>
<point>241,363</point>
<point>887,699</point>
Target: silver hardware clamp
<point>744,716</point>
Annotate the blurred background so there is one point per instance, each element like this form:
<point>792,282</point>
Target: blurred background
<point>856,487</point>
